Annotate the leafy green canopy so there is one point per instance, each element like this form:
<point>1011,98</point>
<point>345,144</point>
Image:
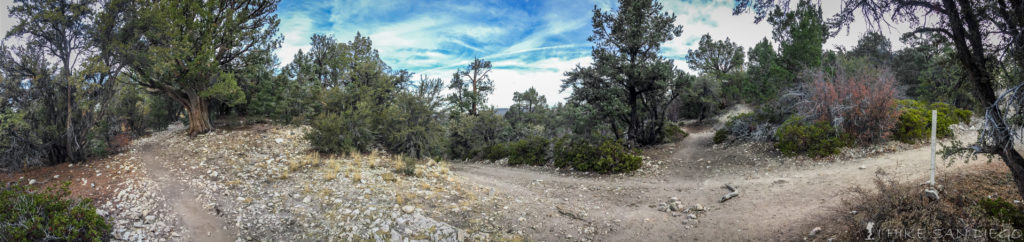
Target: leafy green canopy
<point>629,83</point>
<point>191,51</point>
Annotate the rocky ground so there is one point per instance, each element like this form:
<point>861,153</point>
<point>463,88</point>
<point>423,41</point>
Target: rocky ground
<point>267,185</point>
<point>263,183</point>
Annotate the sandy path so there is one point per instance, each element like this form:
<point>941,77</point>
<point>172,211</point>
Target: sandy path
<point>198,223</point>
<point>773,203</point>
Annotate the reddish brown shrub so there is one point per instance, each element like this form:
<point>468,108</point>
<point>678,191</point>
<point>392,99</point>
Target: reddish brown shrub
<point>858,98</point>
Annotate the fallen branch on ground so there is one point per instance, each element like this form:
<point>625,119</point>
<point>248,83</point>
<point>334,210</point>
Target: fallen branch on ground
<point>733,192</point>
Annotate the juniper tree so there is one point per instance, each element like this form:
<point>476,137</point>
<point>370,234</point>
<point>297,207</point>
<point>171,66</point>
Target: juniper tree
<point>190,51</point>
<point>630,83</point>
<point>471,86</point>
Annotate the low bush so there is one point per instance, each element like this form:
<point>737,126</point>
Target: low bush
<point>529,151</point>
<point>469,135</point>
<point>36,216</point>
<point>818,139</point>
<point>608,156</point>
<point>721,135</point>
<point>1002,210</point>
<point>673,133</point>
<point>496,152</point>
<point>857,97</point>
<point>967,205</point>
<point>760,125</point>
<point>339,133</point>
<point>914,123</point>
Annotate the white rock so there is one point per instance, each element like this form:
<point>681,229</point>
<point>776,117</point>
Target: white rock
<point>815,231</point>
<point>862,167</point>
<point>691,216</point>
<point>56,176</point>
<point>408,208</point>
<point>307,199</point>
<point>32,181</point>
<point>279,140</point>
<point>931,194</point>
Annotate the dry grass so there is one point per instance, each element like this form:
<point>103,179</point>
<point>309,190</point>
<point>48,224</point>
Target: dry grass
<point>331,169</point>
<point>900,207</point>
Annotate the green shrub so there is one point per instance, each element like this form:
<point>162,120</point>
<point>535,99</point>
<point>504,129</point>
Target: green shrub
<point>673,133</point>
<point>339,133</point>
<point>35,216</point>
<point>915,120</point>
<point>815,140</point>
<point>607,157</point>
<point>496,152</point>
<point>470,134</point>
<point>409,166</point>
<point>1002,210</point>
<point>529,151</point>
<point>721,135</point>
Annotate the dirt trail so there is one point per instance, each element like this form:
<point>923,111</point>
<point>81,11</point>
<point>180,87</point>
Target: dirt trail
<point>198,223</point>
<point>774,203</point>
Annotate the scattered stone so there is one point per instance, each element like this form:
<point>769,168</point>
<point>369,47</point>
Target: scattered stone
<point>32,181</point>
<point>931,194</point>
<point>278,140</point>
<point>862,167</point>
<point>691,216</point>
<point>814,232</point>
<point>408,209</point>
<point>569,213</point>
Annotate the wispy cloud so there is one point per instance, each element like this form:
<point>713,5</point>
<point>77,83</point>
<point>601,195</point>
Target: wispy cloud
<point>531,43</point>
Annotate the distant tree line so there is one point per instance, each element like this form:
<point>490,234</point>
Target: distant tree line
<point>91,71</point>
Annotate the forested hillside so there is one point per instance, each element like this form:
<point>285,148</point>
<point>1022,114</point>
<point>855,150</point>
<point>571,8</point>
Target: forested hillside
<point>90,82</point>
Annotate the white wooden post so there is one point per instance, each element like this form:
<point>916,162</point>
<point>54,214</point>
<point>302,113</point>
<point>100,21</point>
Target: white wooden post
<point>931,181</point>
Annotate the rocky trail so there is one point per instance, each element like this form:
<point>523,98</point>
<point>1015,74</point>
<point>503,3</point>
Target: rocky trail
<point>263,183</point>
<point>199,224</point>
<point>778,197</point>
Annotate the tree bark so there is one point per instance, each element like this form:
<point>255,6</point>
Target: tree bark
<point>1015,162</point>
<point>968,38</point>
<point>198,114</point>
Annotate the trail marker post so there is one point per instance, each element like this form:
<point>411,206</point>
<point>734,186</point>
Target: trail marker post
<point>931,181</point>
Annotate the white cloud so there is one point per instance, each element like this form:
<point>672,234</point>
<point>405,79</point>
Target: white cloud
<point>544,75</point>
<point>6,22</point>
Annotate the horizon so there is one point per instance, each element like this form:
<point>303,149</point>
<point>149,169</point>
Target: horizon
<point>531,43</point>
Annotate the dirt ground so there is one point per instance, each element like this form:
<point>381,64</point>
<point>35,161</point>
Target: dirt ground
<point>778,196</point>
<point>258,183</point>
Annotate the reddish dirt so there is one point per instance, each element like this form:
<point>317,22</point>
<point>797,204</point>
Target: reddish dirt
<point>100,188</point>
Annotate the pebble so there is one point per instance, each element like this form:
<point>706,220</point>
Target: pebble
<point>408,208</point>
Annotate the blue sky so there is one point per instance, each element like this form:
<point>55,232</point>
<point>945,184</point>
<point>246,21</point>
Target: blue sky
<point>530,43</point>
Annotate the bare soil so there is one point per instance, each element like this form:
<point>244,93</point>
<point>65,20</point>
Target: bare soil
<point>778,196</point>
<point>198,223</point>
<point>269,188</point>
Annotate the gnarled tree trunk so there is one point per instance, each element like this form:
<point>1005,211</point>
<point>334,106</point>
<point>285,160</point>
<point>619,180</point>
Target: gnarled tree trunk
<point>196,107</point>
<point>198,115</point>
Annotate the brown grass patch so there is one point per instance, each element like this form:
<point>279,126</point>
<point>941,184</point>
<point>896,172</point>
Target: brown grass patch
<point>981,204</point>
